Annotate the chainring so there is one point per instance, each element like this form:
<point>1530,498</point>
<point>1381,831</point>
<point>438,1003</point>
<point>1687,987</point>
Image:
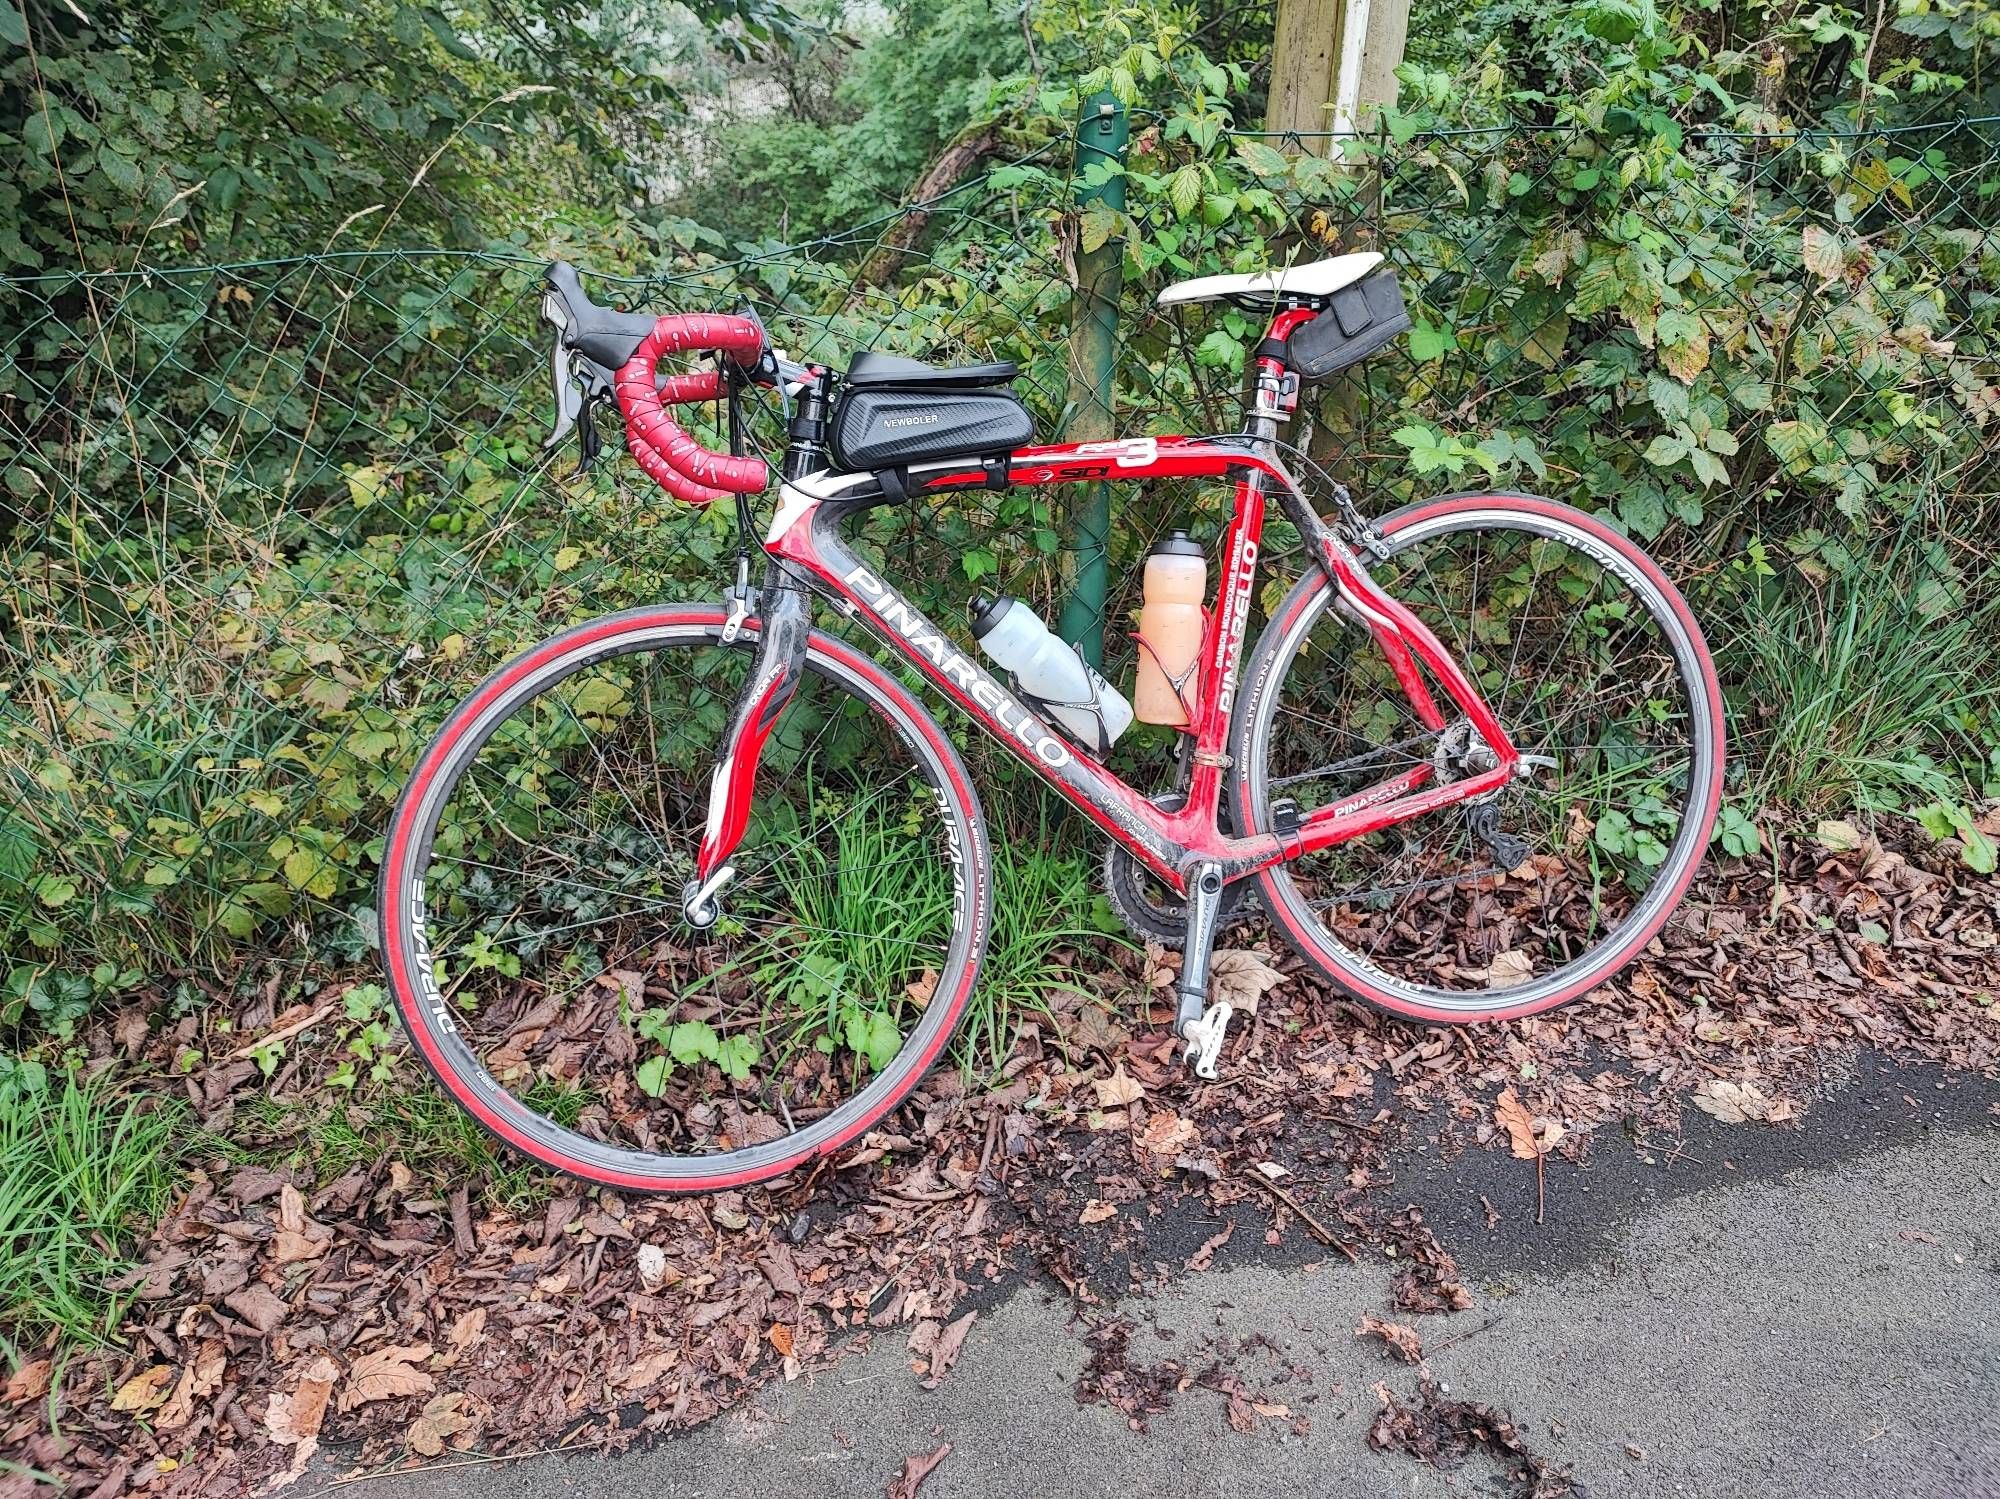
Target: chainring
<point>1146,907</point>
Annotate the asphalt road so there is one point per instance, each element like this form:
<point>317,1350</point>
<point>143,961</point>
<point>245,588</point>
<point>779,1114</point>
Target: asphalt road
<point>1764,1313</point>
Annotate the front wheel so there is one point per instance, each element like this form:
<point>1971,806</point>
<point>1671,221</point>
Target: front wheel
<point>532,906</point>
<point>1540,892</point>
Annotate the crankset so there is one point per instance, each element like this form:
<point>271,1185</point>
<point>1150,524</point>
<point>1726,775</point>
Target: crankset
<point>1148,908</point>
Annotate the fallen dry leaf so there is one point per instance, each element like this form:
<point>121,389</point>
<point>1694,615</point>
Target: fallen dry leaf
<point>298,1237</point>
<point>1732,1103</point>
<point>259,1306</point>
<point>443,1417</point>
<point>781,1339</point>
<point>144,1390</point>
<point>30,1381</point>
<point>916,1468</point>
<point>1166,1133</point>
<point>945,1347</point>
<point>1117,1090</point>
<point>468,1327</point>
<point>1509,968</point>
<point>1096,1211</point>
<point>1240,977</point>
<point>199,1380</point>
<point>922,988</point>
<point>1511,1115</point>
<point>296,1417</point>
<point>386,1374</point>
<point>647,1369</point>
<point>1404,1340</point>
<point>1837,835</point>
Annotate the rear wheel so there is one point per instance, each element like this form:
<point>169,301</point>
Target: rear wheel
<point>1540,892</point>
<point>531,907</point>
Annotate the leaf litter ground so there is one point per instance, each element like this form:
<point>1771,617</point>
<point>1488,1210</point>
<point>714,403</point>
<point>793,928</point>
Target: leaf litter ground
<point>392,1316</point>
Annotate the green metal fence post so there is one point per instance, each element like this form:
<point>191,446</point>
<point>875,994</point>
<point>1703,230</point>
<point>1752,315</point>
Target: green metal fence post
<point>1101,135</point>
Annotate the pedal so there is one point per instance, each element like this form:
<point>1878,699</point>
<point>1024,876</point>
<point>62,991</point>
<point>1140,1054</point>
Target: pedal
<point>1204,1039</point>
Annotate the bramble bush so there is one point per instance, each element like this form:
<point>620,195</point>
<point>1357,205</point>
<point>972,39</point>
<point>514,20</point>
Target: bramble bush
<point>261,524</point>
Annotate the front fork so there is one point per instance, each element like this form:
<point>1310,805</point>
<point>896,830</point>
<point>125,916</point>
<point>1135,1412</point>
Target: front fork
<point>784,628</point>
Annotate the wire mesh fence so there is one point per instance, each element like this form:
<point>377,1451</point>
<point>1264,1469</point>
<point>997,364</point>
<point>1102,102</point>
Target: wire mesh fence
<point>263,524</point>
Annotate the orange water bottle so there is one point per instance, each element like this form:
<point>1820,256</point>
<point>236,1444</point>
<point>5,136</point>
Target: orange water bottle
<point>1170,625</point>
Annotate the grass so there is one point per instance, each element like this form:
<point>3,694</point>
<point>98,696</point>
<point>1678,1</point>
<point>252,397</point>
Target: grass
<point>82,1169</point>
<point>1043,902</point>
<point>1855,697</point>
<point>416,1123</point>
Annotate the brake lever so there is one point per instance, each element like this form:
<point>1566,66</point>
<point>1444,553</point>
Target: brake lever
<point>589,443</point>
<point>570,398</point>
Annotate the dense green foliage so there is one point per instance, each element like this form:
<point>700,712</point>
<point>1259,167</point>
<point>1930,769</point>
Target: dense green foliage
<point>1706,269</point>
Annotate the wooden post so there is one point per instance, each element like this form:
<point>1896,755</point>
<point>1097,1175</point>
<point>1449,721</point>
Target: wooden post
<point>1333,63</point>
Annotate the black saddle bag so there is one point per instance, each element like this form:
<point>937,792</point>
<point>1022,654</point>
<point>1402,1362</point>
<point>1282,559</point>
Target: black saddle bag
<point>1359,319</point>
<point>876,428</point>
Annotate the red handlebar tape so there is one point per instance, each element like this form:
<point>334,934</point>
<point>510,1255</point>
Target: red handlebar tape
<point>677,463</point>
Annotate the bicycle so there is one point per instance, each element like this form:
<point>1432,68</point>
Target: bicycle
<point>693,895</point>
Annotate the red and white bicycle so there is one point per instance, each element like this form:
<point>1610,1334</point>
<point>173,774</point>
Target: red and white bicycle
<point>691,895</point>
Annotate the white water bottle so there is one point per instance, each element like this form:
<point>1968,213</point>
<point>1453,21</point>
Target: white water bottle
<point>1050,673</point>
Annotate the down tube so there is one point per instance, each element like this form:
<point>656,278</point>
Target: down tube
<point>1096,793</point>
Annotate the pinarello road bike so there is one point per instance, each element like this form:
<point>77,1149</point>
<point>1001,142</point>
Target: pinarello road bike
<point>692,895</point>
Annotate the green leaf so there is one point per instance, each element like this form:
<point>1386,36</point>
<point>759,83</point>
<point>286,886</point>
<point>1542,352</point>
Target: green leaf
<point>693,1041</point>
<point>1664,451</point>
<point>1428,341</point>
<point>1095,229</point>
<point>1707,467</point>
<point>1184,191</point>
<point>1644,511</point>
<point>123,173</point>
<point>1430,449</point>
<point>736,1056</point>
<point>651,1076</point>
<point>1980,855</point>
<point>1265,161</point>
<point>13,30</point>
<point>447,38</point>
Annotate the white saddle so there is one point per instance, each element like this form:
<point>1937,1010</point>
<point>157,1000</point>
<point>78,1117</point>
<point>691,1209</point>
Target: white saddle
<point>1321,278</point>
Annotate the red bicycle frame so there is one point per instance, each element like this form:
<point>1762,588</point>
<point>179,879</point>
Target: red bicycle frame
<point>1173,844</point>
